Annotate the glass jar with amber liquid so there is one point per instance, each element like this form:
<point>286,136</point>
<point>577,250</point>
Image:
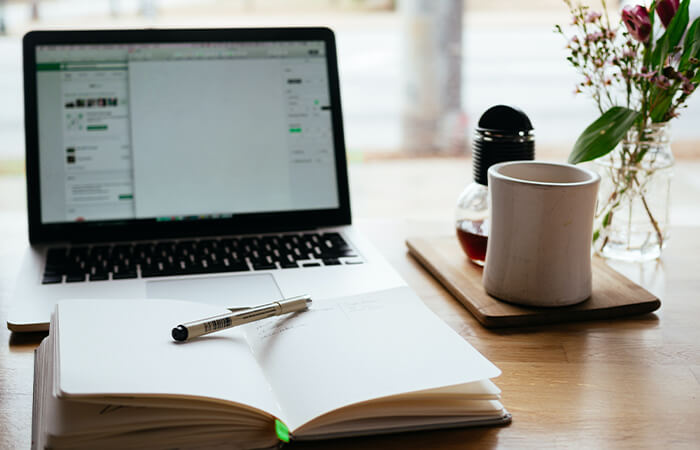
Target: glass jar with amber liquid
<point>504,133</point>
<point>472,221</point>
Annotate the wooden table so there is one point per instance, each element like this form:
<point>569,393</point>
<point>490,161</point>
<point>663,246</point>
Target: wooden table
<point>626,383</point>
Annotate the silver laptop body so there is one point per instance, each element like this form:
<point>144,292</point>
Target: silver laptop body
<point>203,165</point>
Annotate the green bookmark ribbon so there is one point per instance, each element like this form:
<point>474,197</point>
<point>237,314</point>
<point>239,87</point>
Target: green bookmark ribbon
<point>282,431</point>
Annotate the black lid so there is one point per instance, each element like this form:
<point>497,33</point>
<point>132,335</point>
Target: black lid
<point>505,118</point>
<point>505,133</point>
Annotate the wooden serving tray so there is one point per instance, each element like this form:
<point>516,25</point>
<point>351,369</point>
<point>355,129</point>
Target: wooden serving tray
<point>613,294</point>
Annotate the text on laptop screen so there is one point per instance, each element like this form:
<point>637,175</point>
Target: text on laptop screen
<point>184,131</point>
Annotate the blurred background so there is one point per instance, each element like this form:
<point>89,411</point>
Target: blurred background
<point>415,74</point>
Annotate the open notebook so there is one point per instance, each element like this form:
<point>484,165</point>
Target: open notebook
<point>110,376</point>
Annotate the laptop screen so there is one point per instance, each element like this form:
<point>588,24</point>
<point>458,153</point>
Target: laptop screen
<point>183,131</point>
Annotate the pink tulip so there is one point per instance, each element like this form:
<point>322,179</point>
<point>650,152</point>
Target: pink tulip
<point>636,18</point>
<point>666,9</point>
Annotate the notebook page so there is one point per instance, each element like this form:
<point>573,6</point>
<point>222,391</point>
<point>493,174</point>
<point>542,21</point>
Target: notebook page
<point>349,350</point>
<point>124,347</point>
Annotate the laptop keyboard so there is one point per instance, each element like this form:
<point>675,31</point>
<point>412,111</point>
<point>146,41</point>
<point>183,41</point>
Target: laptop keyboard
<point>202,256</point>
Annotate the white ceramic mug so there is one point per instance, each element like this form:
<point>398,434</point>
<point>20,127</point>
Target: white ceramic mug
<point>539,245</point>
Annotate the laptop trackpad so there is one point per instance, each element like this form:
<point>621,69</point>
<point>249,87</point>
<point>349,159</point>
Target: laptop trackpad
<point>231,291</point>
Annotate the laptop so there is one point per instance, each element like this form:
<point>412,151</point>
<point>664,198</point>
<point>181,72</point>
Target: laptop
<point>205,165</point>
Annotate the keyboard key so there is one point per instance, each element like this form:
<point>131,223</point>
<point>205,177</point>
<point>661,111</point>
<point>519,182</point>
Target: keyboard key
<point>124,275</point>
<point>236,266</point>
<point>331,262</point>
<point>51,279</point>
<point>99,277</point>
<point>311,264</point>
<point>149,271</point>
<point>192,269</point>
<point>264,266</point>
<point>287,258</point>
<point>75,277</point>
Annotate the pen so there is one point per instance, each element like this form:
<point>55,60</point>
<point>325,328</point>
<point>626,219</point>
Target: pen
<point>223,321</point>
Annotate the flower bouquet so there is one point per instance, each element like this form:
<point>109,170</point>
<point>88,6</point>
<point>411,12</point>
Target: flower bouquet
<point>640,75</point>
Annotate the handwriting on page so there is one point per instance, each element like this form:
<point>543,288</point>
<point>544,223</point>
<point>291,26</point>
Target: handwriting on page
<point>361,306</point>
<point>267,331</point>
<point>320,311</point>
<point>269,328</point>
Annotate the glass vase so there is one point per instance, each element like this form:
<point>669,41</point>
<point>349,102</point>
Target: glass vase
<point>632,213</point>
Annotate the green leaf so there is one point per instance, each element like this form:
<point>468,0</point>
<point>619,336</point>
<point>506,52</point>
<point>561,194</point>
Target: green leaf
<point>603,135</point>
<point>672,36</point>
<point>676,28</point>
<point>663,103</point>
<point>660,51</point>
<point>691,47</point>
<point>647,53</point>
<point>693,33</point>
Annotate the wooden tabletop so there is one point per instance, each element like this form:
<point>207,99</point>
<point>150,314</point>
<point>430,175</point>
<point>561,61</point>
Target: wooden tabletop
<point>607,384</point>
<point>632,382</point>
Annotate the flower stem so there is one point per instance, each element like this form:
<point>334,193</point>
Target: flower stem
<point>659,234</point>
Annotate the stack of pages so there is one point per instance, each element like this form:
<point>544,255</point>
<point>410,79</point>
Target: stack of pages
<point>109,375</point>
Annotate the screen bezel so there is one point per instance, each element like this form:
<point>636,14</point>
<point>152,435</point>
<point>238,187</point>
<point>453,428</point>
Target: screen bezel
<point>137,229</point>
